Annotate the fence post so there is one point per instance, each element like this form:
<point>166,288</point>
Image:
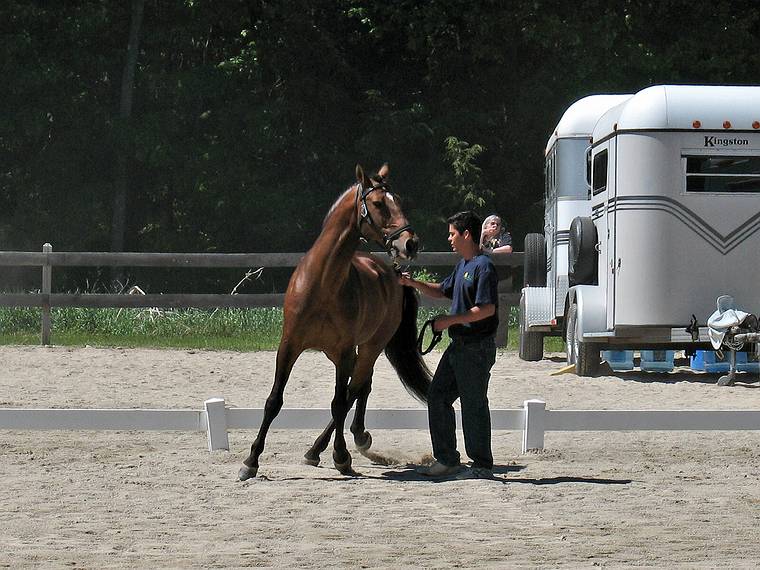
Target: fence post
<point>535,416</point>
<point>216,424</point>
<point>502,330</point>
<point>47,281</point>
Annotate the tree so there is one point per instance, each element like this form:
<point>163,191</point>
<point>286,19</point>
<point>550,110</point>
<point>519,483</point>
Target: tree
<point>121,182</point>
<point>234,126</point>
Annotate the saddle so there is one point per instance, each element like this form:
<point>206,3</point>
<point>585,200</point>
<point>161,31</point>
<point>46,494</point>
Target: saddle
<point>730,327</point>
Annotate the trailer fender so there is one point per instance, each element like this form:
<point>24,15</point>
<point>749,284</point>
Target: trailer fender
<point>592,310</point>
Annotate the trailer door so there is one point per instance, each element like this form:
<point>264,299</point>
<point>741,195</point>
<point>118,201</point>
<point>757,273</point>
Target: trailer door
<point>550,217</point>
<point>613,262</point>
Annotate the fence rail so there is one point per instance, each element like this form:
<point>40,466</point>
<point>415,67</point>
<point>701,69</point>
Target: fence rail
<point>533,419</point>
<point>131,259</point>
<point>47,259</point>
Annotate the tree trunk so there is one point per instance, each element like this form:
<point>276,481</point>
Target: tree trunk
<point>121,181</point>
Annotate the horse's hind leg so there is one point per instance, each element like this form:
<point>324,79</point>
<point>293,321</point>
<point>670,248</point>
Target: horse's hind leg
<point>286,357</point>
<point>311,457</point>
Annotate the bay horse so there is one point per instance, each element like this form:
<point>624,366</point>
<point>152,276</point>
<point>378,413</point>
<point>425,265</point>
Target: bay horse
<point>349,305</point>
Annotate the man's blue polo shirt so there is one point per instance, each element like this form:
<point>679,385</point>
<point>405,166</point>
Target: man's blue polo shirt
<point>473,283</point>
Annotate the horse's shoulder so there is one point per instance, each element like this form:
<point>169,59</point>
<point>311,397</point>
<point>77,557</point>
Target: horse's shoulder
<point>368,262</point>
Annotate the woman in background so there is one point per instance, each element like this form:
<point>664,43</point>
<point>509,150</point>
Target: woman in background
<point>494,238</point>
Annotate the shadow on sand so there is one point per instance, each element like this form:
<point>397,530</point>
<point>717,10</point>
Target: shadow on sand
<point>407,474</point>
<point>681,373</point>
<point>501,475</point>
<point>743,379</point>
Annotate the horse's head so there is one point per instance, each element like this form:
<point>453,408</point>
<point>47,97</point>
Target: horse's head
<point>380,216</point>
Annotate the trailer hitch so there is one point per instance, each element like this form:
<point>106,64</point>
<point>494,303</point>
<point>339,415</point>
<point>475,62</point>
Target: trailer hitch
<point>693,328</point>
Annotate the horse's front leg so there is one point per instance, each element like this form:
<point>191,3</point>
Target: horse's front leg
<point>340,406</point>
<point>286,357</point>
<point>358,391</point>
<point>362,384</point>
<point>311,457</point>
<point>362,438</point>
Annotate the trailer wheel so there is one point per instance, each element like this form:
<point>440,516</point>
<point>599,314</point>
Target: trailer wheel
<point>531,343</point>
<point>581,252</point>
<point>585,355</point>
<point>534,269</point>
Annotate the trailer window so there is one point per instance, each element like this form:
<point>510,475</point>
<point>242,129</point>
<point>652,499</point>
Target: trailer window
<point>599,177</point>
<point>723,174</point>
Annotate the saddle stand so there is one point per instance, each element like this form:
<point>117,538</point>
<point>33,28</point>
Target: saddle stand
<point>729,330</point>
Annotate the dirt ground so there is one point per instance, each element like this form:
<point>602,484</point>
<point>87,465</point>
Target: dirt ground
<point>160,500</point>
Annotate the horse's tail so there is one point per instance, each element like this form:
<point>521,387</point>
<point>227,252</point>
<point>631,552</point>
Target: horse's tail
<point>402,350</point>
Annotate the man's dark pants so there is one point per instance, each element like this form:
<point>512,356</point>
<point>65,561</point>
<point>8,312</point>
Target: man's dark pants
<point>463,372</point>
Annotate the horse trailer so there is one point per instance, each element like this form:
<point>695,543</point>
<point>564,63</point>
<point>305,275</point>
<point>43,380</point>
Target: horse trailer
<point>652,211</point>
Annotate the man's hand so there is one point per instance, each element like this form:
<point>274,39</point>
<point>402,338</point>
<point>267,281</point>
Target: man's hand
<point>405,279</point>
<point>442,323</point>
<point>429,289</point>
<point>477,313</point>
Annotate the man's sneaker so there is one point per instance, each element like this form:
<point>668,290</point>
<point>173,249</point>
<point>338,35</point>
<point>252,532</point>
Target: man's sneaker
<point>438,470</point>
<point>476,473</point>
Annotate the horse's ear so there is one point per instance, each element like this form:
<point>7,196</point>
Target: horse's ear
<point>361,178</point>
<point>384,171</point>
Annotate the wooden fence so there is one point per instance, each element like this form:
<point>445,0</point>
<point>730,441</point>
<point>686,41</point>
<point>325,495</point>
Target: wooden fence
<point>47,259</point>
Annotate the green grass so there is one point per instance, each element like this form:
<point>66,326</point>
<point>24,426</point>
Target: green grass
<point>222,329</point>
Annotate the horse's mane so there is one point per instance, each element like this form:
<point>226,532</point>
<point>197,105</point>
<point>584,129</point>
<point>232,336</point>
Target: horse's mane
<point>335,204</point>
<point>351,188</point>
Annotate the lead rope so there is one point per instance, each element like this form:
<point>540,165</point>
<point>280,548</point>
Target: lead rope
<point>437,336</point>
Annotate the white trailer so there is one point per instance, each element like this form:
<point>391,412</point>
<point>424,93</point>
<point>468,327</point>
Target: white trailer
<point>672,222</point>
<point>567,195</point>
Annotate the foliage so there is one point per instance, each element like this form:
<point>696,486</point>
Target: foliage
<point>249,116</point>
<point>467,175</point>
<point>424,274</point>
<point>223,329</point>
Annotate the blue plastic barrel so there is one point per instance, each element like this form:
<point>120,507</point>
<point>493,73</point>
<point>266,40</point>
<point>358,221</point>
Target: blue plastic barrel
<point>708,361</point>
<point>618,359</point>
<point>657,360</point>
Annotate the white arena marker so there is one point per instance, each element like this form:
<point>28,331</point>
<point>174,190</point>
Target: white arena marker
<point>535,425</point>
<point>216,424</point>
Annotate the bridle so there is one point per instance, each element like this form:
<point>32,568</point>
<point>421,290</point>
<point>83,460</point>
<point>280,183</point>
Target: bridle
<point>366,217</point>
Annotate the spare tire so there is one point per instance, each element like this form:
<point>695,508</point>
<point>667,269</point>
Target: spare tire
<point>581,252</point>
<point>534,268</point>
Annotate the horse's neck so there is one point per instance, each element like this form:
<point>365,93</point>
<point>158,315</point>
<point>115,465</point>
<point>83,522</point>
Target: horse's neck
<point>336,245</point>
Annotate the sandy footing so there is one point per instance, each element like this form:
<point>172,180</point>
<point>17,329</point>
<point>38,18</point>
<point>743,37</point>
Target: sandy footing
<point>161,500</point>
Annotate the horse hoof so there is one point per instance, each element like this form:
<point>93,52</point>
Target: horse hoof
<point>345,467</point>
<point>363,445</point>
<point>247,473</point>
<point>311,460</point>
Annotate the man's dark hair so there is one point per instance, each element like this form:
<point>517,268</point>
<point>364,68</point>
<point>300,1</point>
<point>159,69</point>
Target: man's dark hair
<point>468,220</point>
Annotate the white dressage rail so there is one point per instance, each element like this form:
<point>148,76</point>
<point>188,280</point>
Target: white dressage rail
<point>533,419</point>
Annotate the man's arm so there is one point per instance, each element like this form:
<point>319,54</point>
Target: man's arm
<point>477,313</point>
<point>430,289</point>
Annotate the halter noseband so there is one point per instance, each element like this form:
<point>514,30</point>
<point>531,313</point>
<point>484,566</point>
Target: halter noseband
<point>365,216</point>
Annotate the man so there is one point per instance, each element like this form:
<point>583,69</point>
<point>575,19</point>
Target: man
<point>465,367</point>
